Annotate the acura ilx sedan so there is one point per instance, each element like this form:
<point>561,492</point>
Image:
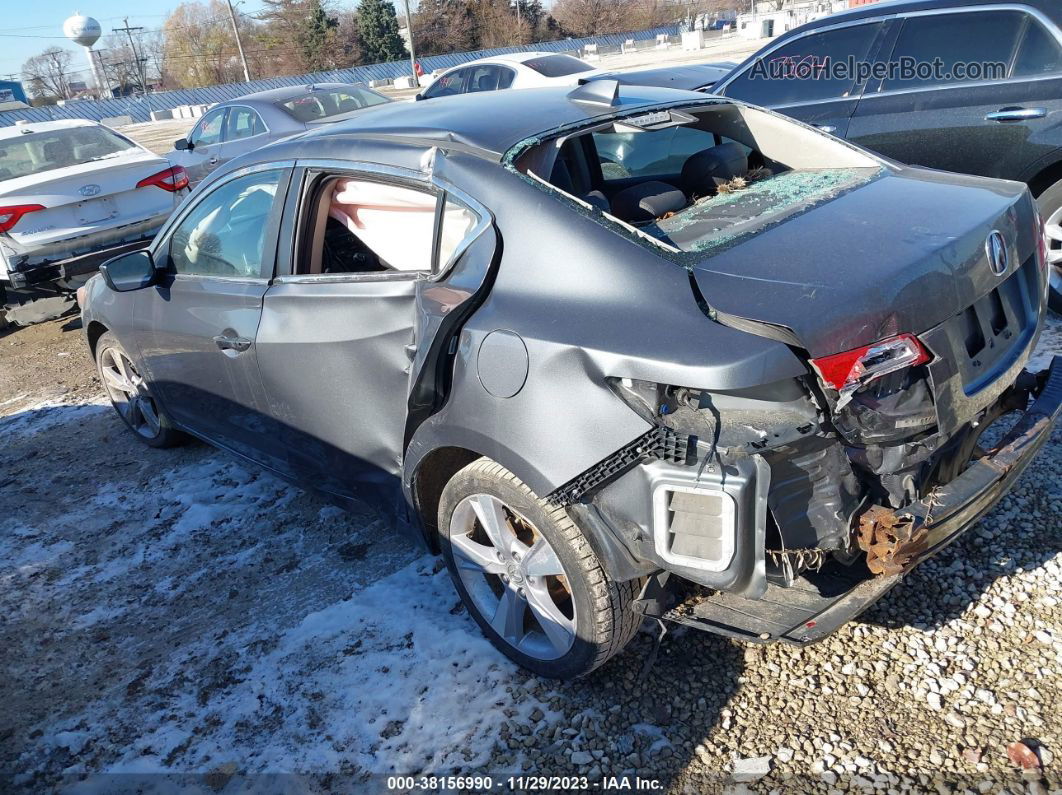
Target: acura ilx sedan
<point>614,352</point>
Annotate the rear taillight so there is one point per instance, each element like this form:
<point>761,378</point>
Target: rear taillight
<point>10,215</point>
<point>846,372</point>
<point>171,179</point>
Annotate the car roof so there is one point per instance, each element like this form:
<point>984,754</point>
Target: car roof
<point>491,122</point>
<point>884,8</point>
<point>273,95</point>
<point>44,126</point>
<point>515,57</point>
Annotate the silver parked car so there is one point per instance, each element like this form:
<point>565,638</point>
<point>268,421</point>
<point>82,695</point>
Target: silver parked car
<point>243,124</point>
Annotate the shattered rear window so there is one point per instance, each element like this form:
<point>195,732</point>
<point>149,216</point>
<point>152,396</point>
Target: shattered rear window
<point>716,221</point>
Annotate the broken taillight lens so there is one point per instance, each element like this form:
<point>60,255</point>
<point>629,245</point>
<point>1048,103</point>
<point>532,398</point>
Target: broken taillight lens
<point>848,371</point>
<point>10,215</point>
<point>171,179</point>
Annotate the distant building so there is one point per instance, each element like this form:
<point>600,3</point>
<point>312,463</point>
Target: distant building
<point>12,91</point>
<point>767,20</point>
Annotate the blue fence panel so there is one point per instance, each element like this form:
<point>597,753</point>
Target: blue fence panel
<point>139,108</point>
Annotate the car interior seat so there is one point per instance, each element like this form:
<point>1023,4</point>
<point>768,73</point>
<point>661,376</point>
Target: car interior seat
<point>647,201</point>
<point>705,171</point>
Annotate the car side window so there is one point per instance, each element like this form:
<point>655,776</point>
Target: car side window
<point>225,233</point>
<point>1038,54</point>
<point>458,221</point>
<point>243,123</point>
<point>447,85</point>
<point>366,226</point>
<point>507,77</point>
<point>483,78</point>
<point>208,131</point>
<point>976,37</point>
<point>361,225</point>
<point>799,71</point>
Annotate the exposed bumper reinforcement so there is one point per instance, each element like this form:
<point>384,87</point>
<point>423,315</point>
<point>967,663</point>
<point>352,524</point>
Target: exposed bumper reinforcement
<point>819,604</point>
<point>74,266</point>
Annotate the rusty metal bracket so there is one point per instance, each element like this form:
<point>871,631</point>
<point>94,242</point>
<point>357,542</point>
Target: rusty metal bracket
<point>891,542</point>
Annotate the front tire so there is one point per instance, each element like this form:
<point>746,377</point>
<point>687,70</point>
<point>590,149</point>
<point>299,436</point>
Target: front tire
<point>529,578</point>
<point>130,396</point>
<point>1050,204</point>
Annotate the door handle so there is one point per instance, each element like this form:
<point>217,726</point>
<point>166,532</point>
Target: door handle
<point>1016,114</point>
<point>238,344</point>
<point>826,128</point>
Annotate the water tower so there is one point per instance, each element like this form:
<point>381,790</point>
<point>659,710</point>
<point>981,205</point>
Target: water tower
<point>85,31</point>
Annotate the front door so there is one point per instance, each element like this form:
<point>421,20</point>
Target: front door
<point>198,325</point>
<point>341,335</point>
<point>204,146</point>
<point>808,77</point>
<point>996,122</point>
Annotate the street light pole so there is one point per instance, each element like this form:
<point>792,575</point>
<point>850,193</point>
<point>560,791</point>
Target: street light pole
<point>239,44</point>
<point>412,52</point>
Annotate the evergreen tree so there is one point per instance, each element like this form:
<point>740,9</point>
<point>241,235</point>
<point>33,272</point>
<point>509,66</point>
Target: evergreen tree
<point>316,35</point>
<point>378,26</point>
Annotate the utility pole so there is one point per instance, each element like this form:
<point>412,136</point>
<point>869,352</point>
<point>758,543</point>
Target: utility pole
<point>412,53</point>
<point>137,62</point>
<point>239,44</point>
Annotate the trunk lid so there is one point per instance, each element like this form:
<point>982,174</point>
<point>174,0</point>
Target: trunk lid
<point>86,198</point>
<point>901,251</point>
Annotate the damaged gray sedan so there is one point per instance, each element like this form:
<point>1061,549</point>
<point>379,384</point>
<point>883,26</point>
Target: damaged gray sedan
<point>615,352</point>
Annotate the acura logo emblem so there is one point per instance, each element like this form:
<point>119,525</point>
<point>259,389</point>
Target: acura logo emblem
<point>996,249</point>
<point>89,190</point>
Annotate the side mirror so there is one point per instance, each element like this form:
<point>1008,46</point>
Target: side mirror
<point>182,143</point>
<point>418,97</point>
<point>131,271</point>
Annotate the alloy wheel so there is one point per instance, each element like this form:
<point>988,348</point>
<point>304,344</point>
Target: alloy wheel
<point>129,394</point>
<point>1053,231</point>
<point>513,577</point>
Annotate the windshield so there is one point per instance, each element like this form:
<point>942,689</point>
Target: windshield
<point>318,106</point>
<point>36,152</point>
<point>557,65</point>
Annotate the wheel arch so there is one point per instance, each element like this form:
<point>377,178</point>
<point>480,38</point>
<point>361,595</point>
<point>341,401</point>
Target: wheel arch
<point>93,332</point>
<point>1046,176</point>
<point>430,476</point>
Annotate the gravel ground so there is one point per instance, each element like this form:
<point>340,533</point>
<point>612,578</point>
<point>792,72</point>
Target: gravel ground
<point>171,611</point>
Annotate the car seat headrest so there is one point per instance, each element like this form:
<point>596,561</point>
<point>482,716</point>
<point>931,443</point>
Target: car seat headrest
<point>706,170</point>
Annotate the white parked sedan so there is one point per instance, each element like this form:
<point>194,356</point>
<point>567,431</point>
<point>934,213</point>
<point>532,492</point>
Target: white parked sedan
<point>73,194</point>
<point>515,70</point>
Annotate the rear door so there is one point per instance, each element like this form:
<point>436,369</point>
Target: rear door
<point>349,326</point>
<point>995,120</point>
<point>809,77</point>
<point>197,327</point>
<point>244,131</point>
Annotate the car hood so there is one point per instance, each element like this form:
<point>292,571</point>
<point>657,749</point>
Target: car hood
<point>899,252</point>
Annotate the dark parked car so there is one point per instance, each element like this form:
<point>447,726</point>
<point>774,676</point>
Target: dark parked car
<point>1008,126</point>
<point>741,389</point>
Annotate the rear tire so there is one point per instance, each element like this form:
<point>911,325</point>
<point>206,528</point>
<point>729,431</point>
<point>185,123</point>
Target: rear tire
<point>131,398</point>
<point>529,578</point>
<point>1050,204</point>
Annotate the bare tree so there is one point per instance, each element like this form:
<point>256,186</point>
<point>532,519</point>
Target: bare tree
<point>48,75</point>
